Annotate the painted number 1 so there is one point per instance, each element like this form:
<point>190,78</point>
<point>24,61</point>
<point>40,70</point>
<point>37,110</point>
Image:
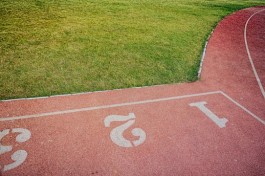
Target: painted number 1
<point>218,121</point>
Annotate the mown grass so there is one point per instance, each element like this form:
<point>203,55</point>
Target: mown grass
<point>52,47</point>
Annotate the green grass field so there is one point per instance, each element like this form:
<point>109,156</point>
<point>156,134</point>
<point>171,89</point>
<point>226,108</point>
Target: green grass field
<point>52,47</point>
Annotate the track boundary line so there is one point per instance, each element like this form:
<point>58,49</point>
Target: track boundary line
<point>129,104</point>
<point>249,55</point>
<point>243,108</point>
<point>86,93</point>
<point>106,106</point>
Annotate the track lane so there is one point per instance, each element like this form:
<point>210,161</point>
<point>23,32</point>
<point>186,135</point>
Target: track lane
<point>178,129</point>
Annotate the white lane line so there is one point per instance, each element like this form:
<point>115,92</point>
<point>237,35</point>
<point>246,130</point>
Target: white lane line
<point>249,55</point>
<point>132,103</point>
<point>105,106</point>
<point>243,108</point>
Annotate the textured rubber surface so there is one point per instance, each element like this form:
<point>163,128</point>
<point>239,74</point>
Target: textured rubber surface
<point>214,126</point>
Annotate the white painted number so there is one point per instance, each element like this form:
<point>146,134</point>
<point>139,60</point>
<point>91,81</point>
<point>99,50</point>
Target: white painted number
<point>116,134</point>
<point>18,156</point>
<point>218,121</point>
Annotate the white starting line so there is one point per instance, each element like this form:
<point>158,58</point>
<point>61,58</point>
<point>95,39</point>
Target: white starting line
<point>129,104</point>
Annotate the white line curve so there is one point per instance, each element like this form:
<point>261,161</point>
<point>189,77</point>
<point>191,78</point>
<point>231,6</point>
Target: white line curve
<point>249,55</point>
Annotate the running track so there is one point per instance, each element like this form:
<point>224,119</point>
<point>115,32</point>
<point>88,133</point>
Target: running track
<point>214,126</point>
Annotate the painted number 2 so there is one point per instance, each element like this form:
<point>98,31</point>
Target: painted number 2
<point>116,134</point>
<point>18,156</point>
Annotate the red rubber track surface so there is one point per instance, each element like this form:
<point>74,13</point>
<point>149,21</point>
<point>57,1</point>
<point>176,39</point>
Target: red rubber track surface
<point>69,136</point>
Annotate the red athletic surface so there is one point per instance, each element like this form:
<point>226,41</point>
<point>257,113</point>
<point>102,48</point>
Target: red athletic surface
<point>180,139</point>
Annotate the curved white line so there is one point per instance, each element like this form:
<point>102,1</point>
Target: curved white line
<point>249,55</point>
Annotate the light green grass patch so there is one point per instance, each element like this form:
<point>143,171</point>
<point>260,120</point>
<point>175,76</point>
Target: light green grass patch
<point>52,47</point>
